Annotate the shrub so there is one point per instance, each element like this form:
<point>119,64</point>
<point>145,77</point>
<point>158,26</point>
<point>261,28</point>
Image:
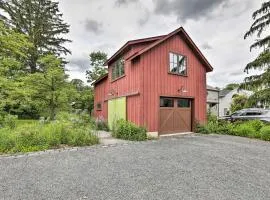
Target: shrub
<point>128,131</point>
<point>256,124</point>
<point>244,130</point>
<point>101,124</point>
<point>202,129</point>
<point>265,133</point>
<point>10,121</point>
<point>7,120</point>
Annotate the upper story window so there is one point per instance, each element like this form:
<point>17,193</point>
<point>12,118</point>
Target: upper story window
<point>118,69</point>
<point>178,64</point>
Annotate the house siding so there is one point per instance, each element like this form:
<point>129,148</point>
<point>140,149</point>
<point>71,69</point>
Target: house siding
<point>101,91</point>
<point>158,82</point>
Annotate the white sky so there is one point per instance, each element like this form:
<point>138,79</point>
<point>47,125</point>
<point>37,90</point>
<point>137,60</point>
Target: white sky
<point>216,26</point>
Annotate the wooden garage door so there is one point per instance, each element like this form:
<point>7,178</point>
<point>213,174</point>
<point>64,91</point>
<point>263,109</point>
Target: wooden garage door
<point>175,115</point>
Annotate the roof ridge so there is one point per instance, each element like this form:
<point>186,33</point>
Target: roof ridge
<point>180,29</point>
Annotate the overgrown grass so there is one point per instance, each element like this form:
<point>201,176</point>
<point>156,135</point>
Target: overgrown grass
<point>67,130</point>
<point>126,130</point>
<point>252,129</point>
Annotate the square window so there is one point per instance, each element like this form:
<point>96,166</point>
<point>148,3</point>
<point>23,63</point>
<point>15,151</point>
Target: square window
<point>178,64</point>
<point>183,103</point>
<point>118,69</point>
<point>166,102</point>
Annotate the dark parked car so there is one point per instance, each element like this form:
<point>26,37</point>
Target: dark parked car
<point>250,114</point>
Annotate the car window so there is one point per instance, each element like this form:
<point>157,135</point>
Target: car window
<point>237,114</point>
<point>253,113</point>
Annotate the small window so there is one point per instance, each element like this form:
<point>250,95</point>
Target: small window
<point>166,102</point>
<point>183,103</point>
<point>118,69</point>
<point>99,106</point>
<point>178,64</point>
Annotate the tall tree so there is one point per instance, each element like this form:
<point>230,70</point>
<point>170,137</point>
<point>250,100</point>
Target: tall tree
<point>239,102</point>
<point>13,48</point>
<point>50,90</point>
<point>42,22</point>
<point>97,60</point>
<point>260,84</point>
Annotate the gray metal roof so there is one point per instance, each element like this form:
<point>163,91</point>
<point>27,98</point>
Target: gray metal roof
<point>209,87</point>
<point>224,92</point>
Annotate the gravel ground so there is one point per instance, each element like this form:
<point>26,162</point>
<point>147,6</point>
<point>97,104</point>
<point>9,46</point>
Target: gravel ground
<point>186,167</point>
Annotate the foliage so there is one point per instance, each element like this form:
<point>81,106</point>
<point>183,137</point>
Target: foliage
<point>13,48</point>
<point>244,130</point>
<point>42,22</point>
<point>102,125</point>
<point>239,102</point>
<point>259,83</point>
<point>7,120</point>
<point>232,86</point>
<point>50,90</point>
<point>85,96</point>
<point>265,133</point>
<point>128,131</point>
<point>250,129</point>
<point>28,137</point>
<point>256,124</point>
<point>97,60</point>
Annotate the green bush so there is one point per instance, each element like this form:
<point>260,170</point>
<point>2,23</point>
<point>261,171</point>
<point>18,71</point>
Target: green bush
<point>256,124</point>
<point>244,130</point>
<point>102,125</point>
<point>7,120</point>
<point>36,137</point>
<point>265,133</point>
<point>203,129</point>
<point>128,131</point>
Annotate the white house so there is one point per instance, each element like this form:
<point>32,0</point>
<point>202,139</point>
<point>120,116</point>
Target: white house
<point>212,100</point>
<point>225,99</point>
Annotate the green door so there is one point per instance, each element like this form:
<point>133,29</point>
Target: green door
<point>116,110</point>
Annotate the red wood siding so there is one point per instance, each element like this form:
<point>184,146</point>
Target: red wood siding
<point>101,91</point>
<point>157,82</point>
<point>129,84</point>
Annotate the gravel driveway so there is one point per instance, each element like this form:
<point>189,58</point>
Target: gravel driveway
<point>186,167</point>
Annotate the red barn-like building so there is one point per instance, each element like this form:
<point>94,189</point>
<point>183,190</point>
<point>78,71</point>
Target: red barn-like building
<point>157,82</point>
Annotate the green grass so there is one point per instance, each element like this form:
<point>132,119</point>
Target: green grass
<point>22,122</point>
<point>31,135</point>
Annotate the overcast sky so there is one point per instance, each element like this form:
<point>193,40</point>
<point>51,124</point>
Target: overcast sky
<point>216,26</point>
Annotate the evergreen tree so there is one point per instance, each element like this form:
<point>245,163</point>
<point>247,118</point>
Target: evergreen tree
<point>42,22</point>
<point>97,60</point>
<point>260,84</point>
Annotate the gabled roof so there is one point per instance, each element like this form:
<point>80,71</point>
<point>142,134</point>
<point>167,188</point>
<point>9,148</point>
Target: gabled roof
<point>130,43</point>
<point>189,41</point>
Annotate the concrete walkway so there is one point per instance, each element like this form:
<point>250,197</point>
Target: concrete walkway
<point>106,139</point>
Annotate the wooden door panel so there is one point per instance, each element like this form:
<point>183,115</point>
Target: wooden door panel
<point>182,120</point>
<point>166,120</point>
